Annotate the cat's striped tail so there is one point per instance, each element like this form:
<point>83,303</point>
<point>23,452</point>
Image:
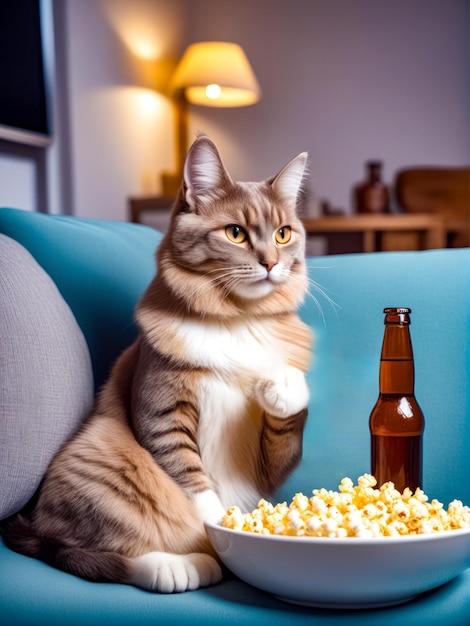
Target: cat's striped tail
<point>95,566</point>
<point>155,571</point>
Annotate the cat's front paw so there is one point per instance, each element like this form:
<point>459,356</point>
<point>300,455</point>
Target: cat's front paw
<point>174,573</point>
<point>209,507</point>
<point>285,395</point>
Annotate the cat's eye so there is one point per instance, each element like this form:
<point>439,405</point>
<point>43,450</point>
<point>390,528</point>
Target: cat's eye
<point>283,235</point>
<point>236,233</point>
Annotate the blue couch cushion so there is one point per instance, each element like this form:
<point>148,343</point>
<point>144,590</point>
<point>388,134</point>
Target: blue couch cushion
<point>100,267</point>
<point>34,594</point>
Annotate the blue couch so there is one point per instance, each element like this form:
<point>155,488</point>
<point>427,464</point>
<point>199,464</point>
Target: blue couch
<point>98,271</point>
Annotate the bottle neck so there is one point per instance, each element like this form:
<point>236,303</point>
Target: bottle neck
<point>396,361</point>
<point>375,173</point>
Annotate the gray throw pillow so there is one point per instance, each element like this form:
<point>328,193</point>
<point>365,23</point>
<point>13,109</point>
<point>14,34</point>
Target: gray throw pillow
<point>46,381</point>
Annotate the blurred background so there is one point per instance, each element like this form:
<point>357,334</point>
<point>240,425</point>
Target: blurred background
<point>347,80</point>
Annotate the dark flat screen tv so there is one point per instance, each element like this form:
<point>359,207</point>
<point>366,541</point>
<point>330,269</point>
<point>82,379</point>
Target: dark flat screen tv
<point>23,93</point>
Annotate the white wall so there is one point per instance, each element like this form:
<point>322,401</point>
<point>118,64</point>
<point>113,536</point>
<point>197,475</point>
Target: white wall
<point>120,52</point>
<point>17,182</point>
<point>347,80</point>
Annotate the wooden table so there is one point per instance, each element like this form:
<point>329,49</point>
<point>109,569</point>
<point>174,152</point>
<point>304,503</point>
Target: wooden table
<point>382,232</point>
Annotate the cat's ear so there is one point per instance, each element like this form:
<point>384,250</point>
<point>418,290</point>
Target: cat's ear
<point>204,172</point>
<point>289,180</point>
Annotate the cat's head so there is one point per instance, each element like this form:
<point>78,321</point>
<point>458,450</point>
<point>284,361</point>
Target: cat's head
<point>231,246</point>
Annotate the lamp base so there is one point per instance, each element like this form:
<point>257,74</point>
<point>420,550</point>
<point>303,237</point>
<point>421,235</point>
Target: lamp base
<point>171,184</point>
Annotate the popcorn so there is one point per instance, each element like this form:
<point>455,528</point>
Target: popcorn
<point>359,510</point>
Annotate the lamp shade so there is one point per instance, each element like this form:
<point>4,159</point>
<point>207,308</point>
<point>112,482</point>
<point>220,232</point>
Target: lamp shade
<point>216,73</point>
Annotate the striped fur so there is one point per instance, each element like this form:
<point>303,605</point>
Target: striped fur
<point>206,409</point>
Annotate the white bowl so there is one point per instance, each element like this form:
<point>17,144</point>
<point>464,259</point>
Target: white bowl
<point>343,573</point>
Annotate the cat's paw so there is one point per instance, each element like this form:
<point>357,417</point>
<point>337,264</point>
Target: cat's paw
<point>285,395</point>
<point>174,573</point>
<point>209,507</point>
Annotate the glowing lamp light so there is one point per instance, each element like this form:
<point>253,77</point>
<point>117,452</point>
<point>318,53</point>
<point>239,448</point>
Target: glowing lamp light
<point>213,91</point>
<point>216,64</point>
<point>210,73</point>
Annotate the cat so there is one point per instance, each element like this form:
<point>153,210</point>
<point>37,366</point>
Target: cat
<point>205,409</point>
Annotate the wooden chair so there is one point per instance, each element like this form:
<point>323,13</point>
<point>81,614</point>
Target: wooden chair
<point>151,210</point>
<point>441,190</point>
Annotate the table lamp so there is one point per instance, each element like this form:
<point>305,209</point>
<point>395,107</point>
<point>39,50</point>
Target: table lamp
<point>211,73</point>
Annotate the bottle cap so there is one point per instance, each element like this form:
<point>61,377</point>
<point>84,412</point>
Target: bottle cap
<point>397,315</point>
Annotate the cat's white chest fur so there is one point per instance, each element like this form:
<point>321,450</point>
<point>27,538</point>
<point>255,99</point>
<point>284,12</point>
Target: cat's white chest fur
<point>236,356</point>
<point>229,430</point>
<point>238,348</point>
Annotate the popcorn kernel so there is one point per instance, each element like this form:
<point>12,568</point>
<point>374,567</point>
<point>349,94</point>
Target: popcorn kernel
<point>359,510</point>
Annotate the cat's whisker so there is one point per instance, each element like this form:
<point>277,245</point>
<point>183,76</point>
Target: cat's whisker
<point>227,277</point>
<point>317,287</point>
<point>313,285</point>
<point>224,278</point>
<point>223,272</point>
<point>318,305</point>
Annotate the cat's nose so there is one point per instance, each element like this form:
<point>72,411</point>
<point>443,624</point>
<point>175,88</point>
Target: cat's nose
<point>268,265</point>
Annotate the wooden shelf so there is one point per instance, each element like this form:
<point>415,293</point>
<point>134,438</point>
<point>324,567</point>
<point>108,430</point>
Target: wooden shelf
<point>382,232</point>
<point>371,233</point>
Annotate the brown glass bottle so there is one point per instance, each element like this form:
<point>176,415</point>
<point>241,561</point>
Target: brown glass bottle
<point>372,196</point>
<point>397,422</point>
